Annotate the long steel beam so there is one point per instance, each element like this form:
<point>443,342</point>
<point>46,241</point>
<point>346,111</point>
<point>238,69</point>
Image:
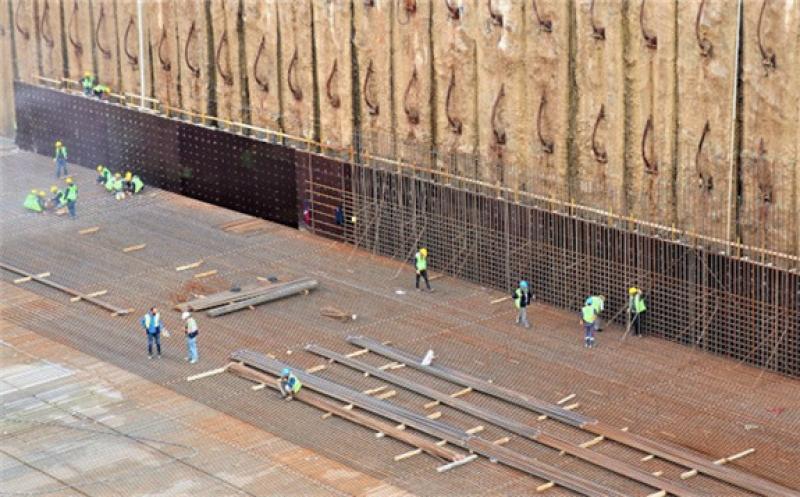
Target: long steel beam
<point>596,458</point>
<point>52,284</point>
<point>673,453</point>
<point>289,289</point>
<point>433,428</point>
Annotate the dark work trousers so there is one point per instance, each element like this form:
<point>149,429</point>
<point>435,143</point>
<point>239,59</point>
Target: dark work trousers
<point>423,274</point>
<point>154,337</point>
<point>636,323</point>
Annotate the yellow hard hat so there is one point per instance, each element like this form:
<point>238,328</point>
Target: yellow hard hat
<point>41,193</point>
<point>53,188</point>
<point>117,175</point>
<point>424,252</point>
<point>33,191</point>
<point>58,143</point>
<point>99,168</point>
<point>633,290</point>
<point>128,176</point>
<point>69,180</point>
<point>87,73</point>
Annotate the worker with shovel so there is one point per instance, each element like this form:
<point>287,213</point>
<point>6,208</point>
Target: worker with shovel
<point>289,384</point>
<point>636,310</point>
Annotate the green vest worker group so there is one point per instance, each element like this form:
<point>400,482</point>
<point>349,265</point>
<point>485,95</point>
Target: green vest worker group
<point>36,200</point>
<point>121,187</point>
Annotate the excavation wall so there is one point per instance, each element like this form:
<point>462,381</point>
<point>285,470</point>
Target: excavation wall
<point>680,113</point>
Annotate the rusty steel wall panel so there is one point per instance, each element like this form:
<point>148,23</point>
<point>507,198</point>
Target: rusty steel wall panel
<point>229,170</point>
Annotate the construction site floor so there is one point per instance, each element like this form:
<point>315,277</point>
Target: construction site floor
<point>229,439</point>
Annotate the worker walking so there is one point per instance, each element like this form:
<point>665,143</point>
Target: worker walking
<point>32,202</point>
<point>589,321</point>
<point>289,384</point>
<point>421,265</point>
<point>636,310</point>
<point>151,322</point>
<point>191,332</point>
<point>60,159</point>
<point>71,196</point>
<point>522,299</point>
<point>598,302</point>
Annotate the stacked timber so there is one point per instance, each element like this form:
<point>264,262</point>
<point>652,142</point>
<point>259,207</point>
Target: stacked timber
<point>230,301</point>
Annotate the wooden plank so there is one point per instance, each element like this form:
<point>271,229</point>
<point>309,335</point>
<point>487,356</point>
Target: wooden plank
<point>449,466</point>
<point>189,266</point>
<point>23,280</point>
<point>93,229</point>
<point>134,248</point>
<point>206,274</point>
<point>208,373</point>
<point>93,294</point>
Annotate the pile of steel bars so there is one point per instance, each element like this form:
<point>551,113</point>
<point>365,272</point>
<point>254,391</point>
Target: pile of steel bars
<point>676,454</point>
<point>229,301</point>
<point>430,427</point>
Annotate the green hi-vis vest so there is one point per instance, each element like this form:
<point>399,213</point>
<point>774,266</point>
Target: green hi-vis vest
<point>32,203</point>
<point>517,297</point>
<point>422,262</point>
<point>87,82</point>
<point>138,184</point>
<point>61,152</point>
<point>105,173</point>
<point>638,304</point>
<point>110,183</point>
<point>72,193</point>
<point>588,314</point>
<point>597,303</point>
<point>118,185</point>
<point>294,383</point>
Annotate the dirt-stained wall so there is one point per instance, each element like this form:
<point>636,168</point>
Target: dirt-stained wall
<point>193,34</point>
<point>412,62</point>
<point>23,20</point>
<point>78,29</point>
<point>454,31</point>
<point>502,90</point>
<point>164,57</point>
<point>128,30</point>
<point>49,38</point>
<point>297,78</point>
<point>263,63</point>
<point>334,71</point>
<point>650,97</point>
<point>106,44</point>
<point>373,34</point>
<point>769,148</point>
<point>6,72</point>
<point>228,77</point>
<point>599,145</point>
<point>544,167</point>
<point>706,76</point>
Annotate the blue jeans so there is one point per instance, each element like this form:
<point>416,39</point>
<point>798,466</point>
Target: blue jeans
<point>191,348</point>
<point>153,338</point>
<point>61,164</point>
<point>71,208</point>
<point>588,332</point>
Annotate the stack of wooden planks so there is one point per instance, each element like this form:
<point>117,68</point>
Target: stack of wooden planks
<point>247,225</point>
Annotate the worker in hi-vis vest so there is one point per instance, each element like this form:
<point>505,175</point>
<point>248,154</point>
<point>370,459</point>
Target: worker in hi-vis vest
<point>102,174</point>
<point>588,319</point>
<point>522,299</point>
<point>421,266</point>
<point>32,202</point>
<point>599,304</point>
<point>151,322</point>
<point>60,159</point>
<point>289,384</point>
<point>636,309</point>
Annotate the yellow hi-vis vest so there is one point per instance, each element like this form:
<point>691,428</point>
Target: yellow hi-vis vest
<point>588,314</point>
<point>421,262</point>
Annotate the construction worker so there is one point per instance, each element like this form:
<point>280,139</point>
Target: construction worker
<point>137,183</point>
<point>101,91</point>
<point>598,302</point>
<point>71,196</point>
<point>127,183</point>
<point>57,199</point>
<point>191,331</point>
<point>87,82</point>
<point>102,174</point>
<point>60,159</point>
<point>151,322</point>
<point>522,299</point>
<point>289,384</point>
<point>421,266</point>
<point>119,194</point>
<point>109,184</point>
<point>32,202</point>
<point>636,310</point>
<point>589,321</point>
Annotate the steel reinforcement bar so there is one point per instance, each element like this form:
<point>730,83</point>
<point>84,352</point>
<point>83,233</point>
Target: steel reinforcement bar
<point>430,427</point>
<point>678,455</point>
<point>521,429</point>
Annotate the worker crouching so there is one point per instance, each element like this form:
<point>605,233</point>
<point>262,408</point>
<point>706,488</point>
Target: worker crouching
<point>34,202</point>
<point>289,384</point>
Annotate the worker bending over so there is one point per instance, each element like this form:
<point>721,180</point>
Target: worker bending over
<point>103,174</point>
<point>87,83</point>
<point>289,384</point>
<point>522,299</point>
<point>589,321</point>
<point>598,302</point>
<point>60,159</point>
<point>132,184</point>
<point>636,310</point>
<point>33,201</point>
<point>57,200</point>
<point>421,265</point>
<point>118,187</point>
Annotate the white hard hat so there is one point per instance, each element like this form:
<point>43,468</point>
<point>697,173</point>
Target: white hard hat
<point>185,315</point>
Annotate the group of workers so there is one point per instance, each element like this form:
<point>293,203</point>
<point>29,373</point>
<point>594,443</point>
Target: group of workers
<point>37,201</point>
<point>91,87</point>
<point>595,304</point>
<point>151,322</point>
<point>120,186</point>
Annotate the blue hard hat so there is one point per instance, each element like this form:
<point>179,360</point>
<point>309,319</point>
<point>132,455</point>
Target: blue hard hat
<point>589,301</point>
<point>285,372</point>
<point>523,284</point>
